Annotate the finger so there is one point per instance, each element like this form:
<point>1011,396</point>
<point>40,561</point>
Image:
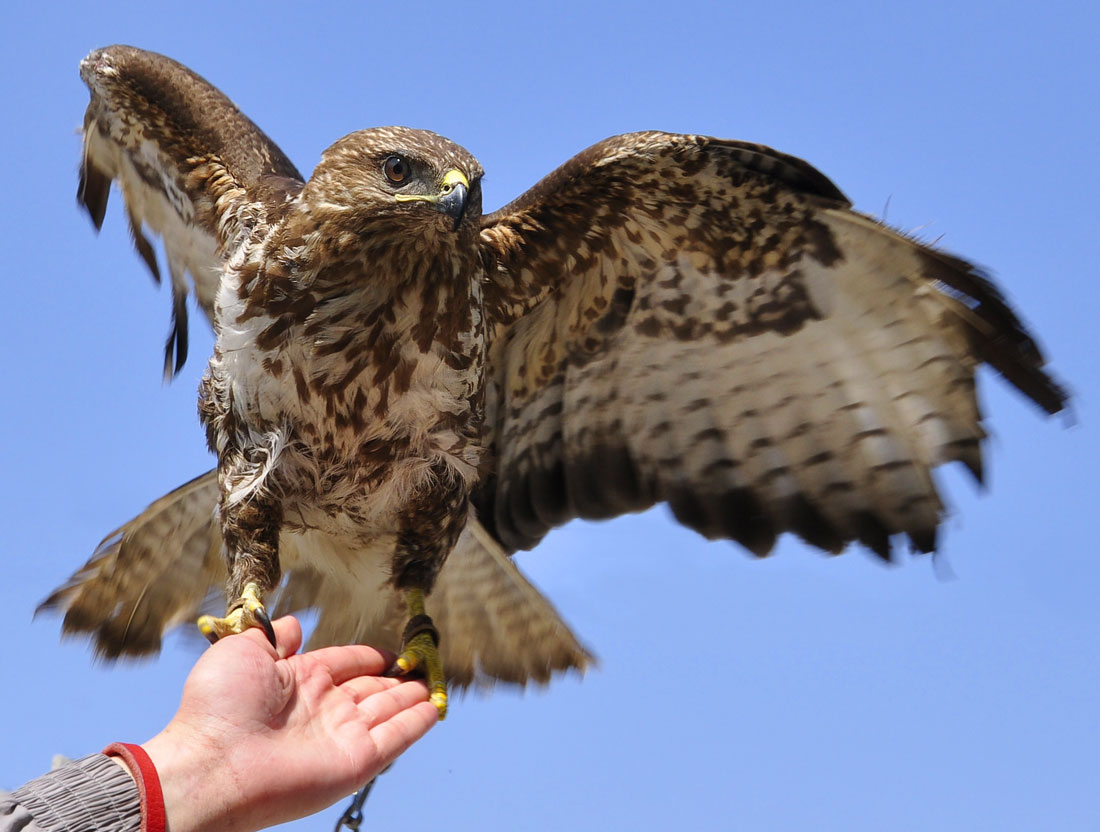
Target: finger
<point>288,635</point>
<point>395,735</point>
<point>386,704</point>
<point>361,687</point>
<point>350,660</point>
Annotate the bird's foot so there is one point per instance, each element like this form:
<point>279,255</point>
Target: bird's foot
<point>247,611</point>
<point>420,651</point>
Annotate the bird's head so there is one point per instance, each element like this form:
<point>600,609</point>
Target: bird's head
<point>386,181</point>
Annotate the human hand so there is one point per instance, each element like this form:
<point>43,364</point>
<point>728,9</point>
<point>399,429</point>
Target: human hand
<point>261,738</point>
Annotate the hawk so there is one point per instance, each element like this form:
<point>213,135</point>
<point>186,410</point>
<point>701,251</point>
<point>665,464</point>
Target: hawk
<point>404,391</point>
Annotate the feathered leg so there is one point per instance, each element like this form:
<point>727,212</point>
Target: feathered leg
<point>250,528</point>
<point>429,530</point>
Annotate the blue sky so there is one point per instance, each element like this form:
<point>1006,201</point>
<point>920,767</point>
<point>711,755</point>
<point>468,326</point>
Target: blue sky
<point>794,693</point>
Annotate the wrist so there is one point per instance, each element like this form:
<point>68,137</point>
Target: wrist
<point>197,796</point>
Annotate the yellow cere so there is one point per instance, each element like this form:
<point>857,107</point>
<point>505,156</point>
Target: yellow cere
<point>450,179</point>
<point>454,177</point>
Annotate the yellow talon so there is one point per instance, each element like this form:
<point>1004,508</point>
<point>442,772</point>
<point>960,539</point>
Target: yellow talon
<point>421,650</point>
<point>247,611</point>
<point>209,626</point>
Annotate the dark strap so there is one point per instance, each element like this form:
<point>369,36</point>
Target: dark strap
<point>420,624</point>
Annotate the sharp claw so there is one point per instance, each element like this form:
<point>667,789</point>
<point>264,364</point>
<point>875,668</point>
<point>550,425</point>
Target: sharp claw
<point>265,622</point>
<point>401,666</point>
<point>206,627</point>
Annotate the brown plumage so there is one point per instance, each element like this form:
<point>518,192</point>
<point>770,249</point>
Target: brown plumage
<point>665,318</point>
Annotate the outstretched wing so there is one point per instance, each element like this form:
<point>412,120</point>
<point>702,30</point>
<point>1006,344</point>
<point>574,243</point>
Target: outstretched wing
<point>162,568</point>
<point>706,323</point>
<point>190,165</point>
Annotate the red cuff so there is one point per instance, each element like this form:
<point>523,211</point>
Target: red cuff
<point>144,772</point>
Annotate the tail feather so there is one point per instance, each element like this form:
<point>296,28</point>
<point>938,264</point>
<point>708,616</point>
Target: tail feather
<point>158,571</point>
<point>495,625</point>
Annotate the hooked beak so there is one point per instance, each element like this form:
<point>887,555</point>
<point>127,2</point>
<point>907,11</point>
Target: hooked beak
<point>452,196</point>
<point>451,199</point>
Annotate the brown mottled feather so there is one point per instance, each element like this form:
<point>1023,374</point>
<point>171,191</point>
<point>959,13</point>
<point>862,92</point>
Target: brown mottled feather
<point>665,318</point>
<point>212,174</point>
<point>148,575</point>
<point>699,322</point>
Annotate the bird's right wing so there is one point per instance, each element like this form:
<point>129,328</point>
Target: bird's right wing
<point>191,167</point>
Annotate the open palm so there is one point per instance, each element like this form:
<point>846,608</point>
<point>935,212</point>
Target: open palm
<point>262,737</point>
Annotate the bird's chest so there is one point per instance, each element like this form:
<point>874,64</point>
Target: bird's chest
<point>366,395</point>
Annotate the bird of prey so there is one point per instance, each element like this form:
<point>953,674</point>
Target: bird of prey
<point>397,378</point>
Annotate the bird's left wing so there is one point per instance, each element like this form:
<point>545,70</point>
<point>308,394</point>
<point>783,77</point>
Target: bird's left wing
<point>706,323</point>
<point>190,165</point>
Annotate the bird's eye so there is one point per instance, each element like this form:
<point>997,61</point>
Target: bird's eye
<point>397,170</point>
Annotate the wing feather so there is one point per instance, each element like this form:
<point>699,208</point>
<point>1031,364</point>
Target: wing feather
<point>191,168</point>
<point>707,323</point>
<point>147,576</point>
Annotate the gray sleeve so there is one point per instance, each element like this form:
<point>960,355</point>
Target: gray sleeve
<point>92,794</point>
